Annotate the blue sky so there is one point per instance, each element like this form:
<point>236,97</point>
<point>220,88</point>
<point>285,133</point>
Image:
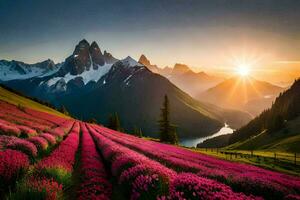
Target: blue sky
<point>201,33</point>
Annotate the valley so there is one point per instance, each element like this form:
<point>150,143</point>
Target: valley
<point>150,100</point>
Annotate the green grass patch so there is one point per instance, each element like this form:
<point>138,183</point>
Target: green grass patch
<point>22,102</point>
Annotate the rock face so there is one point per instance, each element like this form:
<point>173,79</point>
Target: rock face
<point>144,60</point>
<point>180,69</point>
<point>85,57</point>
<point>96,55</point>
<point>109,58</point>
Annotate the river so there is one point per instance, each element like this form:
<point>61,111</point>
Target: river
<point>194,141</point>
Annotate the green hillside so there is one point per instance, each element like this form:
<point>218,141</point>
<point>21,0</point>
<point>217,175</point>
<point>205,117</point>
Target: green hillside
<point>275,129</point>
<point>17,99</point>
<point>284,140</point>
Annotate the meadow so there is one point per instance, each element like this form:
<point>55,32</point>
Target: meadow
<point>46,156</point>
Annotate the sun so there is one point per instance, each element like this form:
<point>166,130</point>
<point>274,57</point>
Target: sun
<point>243,70</point>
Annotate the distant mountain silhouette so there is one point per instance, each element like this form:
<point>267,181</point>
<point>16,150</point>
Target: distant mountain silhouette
<point>277,128</point>
<point>244,93</point>
<point>184,77</point>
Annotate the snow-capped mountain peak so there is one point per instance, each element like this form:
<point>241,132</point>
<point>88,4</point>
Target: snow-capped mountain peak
<point>12,70</point>
<point>130,62</point>
<point>86,76</point>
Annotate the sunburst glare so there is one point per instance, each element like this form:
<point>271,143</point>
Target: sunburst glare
<point>243,70</point>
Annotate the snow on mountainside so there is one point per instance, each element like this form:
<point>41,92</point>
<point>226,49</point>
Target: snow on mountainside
<point>12,70</point>
<point>92,74</point>
<point>87,76</point>
<point>95,74</point>
<point>86,64</point>
<point>130,62</point>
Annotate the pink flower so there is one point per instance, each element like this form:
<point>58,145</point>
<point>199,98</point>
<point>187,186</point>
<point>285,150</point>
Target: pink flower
<point>7,128</point>
<point>48,189</point>
<point>24,146</point>
<point>39,142</point>
<point>60,162</point>
<point>50,138</point>
<point>11,164</point>
<point>191,186</point>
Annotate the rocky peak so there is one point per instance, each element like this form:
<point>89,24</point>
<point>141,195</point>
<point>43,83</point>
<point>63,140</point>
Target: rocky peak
<point>83,58</point>
<point>96,55</point>
<point>144,60</point>
<point>130,62</point>
<point>180,68</point>
<point>109,58</point>
<point>82,46</point>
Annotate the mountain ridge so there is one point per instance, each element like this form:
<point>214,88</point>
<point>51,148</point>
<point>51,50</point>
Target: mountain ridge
<point>91,90</point>
<point>184,77</point>
<point>254,95</point>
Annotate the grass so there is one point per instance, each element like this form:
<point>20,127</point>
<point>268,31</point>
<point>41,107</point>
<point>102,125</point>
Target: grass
<point>15,99</point>
<point>284,161</point>
<point>285,140</point>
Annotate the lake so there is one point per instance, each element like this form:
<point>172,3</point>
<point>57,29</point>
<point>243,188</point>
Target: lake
<point>194,141</point>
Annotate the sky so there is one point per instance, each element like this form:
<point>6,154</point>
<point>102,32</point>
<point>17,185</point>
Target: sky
<point>210,35</point>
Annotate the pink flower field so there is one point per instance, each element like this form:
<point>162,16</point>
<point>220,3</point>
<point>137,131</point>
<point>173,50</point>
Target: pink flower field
<point>43,156</point>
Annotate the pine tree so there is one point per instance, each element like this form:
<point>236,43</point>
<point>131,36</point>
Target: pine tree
<point>64,110</point>
<point>166,130</point>
<point>114,122</point>
<point>140,133</point>
<point>137,132</point>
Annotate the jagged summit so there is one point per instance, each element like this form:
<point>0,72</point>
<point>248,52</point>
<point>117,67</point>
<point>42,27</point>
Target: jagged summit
<point>109,58</point>
<point>144,60</point>
<point>85,57</point>
<point>130,62</point>
<point>180,68</point>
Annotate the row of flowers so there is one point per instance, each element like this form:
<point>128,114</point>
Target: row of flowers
<point>15,122</point>
<point>62,130</point>
<point>61,160</point>
<point>36,144</point>
<point>12,165</point>
<point>26,113</point>
<point>53,119</point>
<point>241,177</point>
<point>51,175</point>
<point>143,178</point>
<point>15,114</point>
<point>94,182</point>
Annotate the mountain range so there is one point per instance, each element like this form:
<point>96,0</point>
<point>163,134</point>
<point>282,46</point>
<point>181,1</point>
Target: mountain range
<point>243,93</point>
<point>10,70</point>
<point>237,92</point>
<point>92,84</point>
<point>184,77</point>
